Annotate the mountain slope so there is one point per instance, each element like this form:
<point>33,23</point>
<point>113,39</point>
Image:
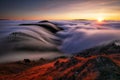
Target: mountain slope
<point>99,67</point>
<point>98,63</point>
<point>112,47</point>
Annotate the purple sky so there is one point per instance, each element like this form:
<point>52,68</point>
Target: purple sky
<point>60,9</point>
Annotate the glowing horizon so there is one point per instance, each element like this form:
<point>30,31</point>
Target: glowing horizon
<point>60,9</point>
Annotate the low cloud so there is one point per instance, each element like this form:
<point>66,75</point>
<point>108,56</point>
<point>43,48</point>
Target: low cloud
<point>83,37</point>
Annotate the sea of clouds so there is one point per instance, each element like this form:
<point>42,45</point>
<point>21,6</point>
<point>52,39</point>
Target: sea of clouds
<point>76,36</point>
<point>80,35</point>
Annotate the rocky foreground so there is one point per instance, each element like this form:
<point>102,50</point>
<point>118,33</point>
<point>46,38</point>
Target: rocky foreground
<point>99,67</point>
<point>100,63</point>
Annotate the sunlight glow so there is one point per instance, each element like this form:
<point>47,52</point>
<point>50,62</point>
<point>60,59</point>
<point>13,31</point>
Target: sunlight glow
<point>100,19</point>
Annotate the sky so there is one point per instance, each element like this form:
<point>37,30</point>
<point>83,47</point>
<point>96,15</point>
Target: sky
<point>60,9</point>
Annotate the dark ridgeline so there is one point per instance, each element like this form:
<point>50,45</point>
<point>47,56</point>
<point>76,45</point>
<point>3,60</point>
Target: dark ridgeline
<point>45,24</point>
<point>112,47</point>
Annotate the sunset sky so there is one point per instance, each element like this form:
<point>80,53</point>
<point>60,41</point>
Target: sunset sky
<point>60,9</point>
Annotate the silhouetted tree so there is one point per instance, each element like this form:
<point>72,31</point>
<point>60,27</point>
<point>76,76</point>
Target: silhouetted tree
<point>27,60</point>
